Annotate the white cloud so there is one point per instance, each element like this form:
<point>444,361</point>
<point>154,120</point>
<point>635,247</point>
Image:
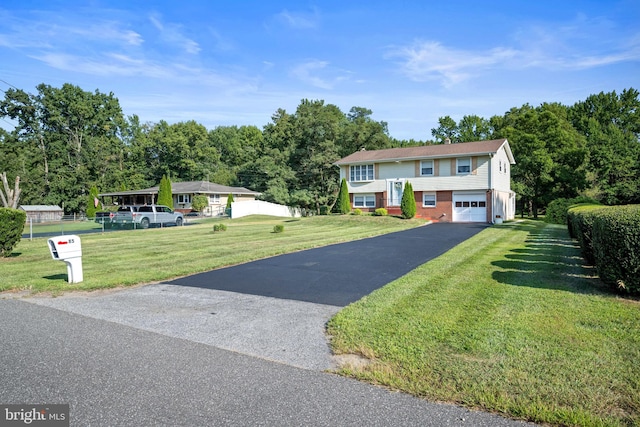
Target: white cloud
<point>299,20</point>
<point>578,44</point>
<point>319,74</point>
<point>172,34</point>
<point>431,60</point>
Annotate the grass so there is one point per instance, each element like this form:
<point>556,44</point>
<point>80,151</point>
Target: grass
<point>510,322</point>
<point>129,257</point>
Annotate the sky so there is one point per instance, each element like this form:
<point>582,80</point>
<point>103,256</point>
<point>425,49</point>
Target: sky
<point>224,63</point>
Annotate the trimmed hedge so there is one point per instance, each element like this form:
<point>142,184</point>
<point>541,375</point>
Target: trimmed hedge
<point>11,227</point>
<point>616,247</point>
<point>557,210</point>
<point>609,238</point>
<point>580,224</point>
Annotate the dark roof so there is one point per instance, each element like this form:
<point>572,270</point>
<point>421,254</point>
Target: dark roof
<point>428,151</point>
<point>188,187</point>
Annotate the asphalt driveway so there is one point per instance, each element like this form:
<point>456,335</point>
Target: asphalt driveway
<point>338,274</point>
<point>275,308</point>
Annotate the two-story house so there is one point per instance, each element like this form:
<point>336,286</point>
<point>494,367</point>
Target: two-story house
<point>464,182</point>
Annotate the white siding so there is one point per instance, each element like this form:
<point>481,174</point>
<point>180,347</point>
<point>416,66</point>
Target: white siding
<point>377,186</point>
<point>444,167</point>
<point>501,179</point>
<point>397,170</point>
<point>454,182</point>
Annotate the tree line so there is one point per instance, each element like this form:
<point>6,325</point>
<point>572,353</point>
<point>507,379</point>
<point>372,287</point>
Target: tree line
<point>67,141</point>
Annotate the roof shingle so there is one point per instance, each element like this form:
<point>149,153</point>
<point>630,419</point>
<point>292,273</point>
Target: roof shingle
<point>425,151</point>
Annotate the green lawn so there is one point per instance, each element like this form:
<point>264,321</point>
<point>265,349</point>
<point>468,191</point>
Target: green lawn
<point>128,257</point>
<point>510,322</point>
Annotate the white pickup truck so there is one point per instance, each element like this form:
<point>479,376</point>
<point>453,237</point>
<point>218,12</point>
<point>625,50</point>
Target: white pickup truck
<point>145,216</point>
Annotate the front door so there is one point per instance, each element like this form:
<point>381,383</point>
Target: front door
<point>395,192</point>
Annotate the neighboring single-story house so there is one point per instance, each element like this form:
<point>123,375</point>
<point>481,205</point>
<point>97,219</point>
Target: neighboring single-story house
<point>183,193</point>
<point>42,213</point>
<point>464,182</point>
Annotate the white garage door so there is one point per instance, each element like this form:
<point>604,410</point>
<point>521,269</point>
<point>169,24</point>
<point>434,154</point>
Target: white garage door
<point>470,207</point>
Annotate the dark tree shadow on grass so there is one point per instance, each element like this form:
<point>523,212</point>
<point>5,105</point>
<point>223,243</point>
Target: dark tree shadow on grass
<point>549,261</point>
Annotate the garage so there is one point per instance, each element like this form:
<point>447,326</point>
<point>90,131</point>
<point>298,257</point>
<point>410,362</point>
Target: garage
<point>469,207</point>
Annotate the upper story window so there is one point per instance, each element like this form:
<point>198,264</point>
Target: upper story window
<point>361,173</point>
<point>463,166</point>
<point>426,167</point>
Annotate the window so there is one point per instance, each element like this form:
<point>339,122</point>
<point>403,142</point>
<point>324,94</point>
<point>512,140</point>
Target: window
<point>426,167</point>
<point>429,200</point>
<point>463,165</point>
<point>214,199</point>
<point>364,201</point>
<point>361,173</point>
<point>184,198</point>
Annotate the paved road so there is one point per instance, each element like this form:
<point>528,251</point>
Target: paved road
<point>238,346</point>
<point>115,375</point>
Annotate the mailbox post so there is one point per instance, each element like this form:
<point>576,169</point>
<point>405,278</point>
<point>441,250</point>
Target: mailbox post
<point>69,250</point>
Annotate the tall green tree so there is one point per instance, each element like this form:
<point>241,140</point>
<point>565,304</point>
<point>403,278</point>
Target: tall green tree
<point>473,128</point>
<point>611,124</point>
<point>531,175</point>
<point>68,137</point>
<point>362,132</point>
<point>165,195</point>
<point>343,204</point>
<point>93,204</point>
<point>447,128</point>
<point>318,134</point>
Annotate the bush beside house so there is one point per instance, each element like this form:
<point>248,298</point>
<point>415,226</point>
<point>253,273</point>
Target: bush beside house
<point>11,227</point>
<point>408,203</point>
<point>344,204</point>
<point>165,195</point>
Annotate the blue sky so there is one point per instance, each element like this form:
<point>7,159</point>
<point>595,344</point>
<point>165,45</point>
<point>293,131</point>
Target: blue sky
<point>237,62</point>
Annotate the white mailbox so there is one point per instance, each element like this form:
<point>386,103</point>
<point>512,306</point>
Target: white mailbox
<point>69,250</point>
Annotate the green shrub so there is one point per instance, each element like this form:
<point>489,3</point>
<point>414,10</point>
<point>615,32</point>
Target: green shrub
<point>278,228</point>
<point>408,203</point>
<point>343,205</point>
<point>380,212</point>
<point>357,211</point>
<point>199,202</point>
<point>92,206</point>
<point>11,226</point>
<point>616,247</point>
<point>219,227</point>
<point>580,222</point>
<point>557,209</point>
<point>324,210</point>
<point>165,195</point>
